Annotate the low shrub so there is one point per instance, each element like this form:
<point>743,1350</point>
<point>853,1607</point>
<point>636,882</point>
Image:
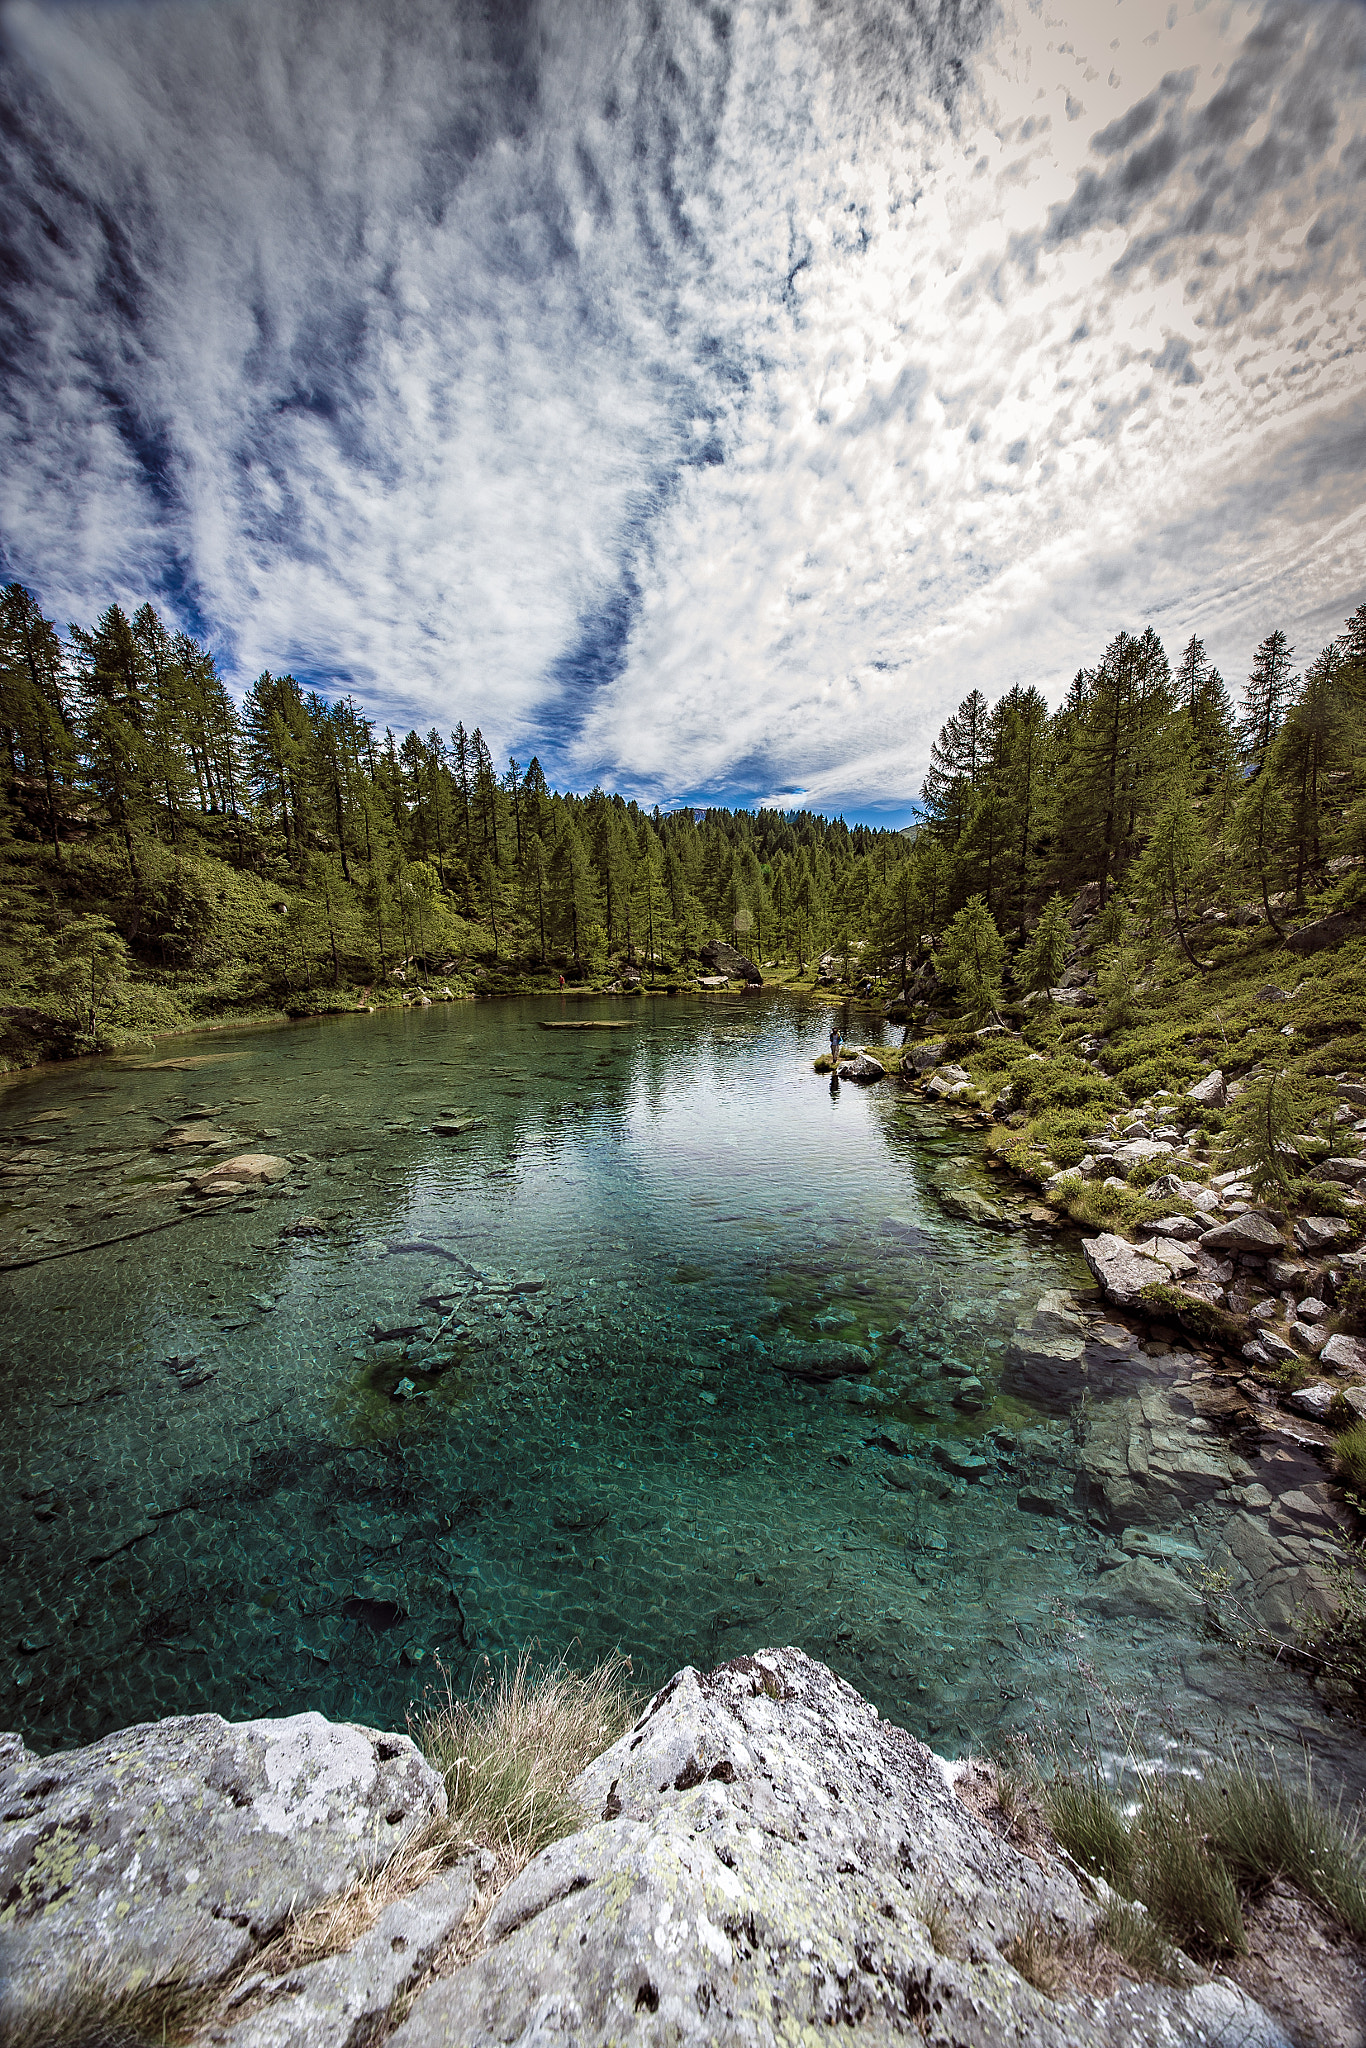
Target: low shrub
<point>1203,1320</point>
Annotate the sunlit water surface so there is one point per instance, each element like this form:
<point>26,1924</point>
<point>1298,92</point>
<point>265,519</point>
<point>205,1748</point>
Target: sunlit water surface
<point>212,1498</point>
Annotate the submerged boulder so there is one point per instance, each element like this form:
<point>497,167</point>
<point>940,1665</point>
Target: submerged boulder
<point>818,1363</point>
<point>234,1176</point>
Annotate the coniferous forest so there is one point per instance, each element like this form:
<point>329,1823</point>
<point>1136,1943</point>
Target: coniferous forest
<point>170,856</point>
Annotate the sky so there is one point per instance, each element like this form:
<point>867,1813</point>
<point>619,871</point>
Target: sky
<point>702,397</point>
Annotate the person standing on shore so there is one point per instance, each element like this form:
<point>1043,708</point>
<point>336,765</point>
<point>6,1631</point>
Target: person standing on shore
<point>836,1044</point>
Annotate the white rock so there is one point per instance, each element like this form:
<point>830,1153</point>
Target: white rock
<point>1210,1091</point>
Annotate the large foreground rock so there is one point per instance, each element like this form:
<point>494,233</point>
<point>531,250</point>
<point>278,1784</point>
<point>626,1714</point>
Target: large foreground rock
<point>764,1864</point>
<point>172,1848</point>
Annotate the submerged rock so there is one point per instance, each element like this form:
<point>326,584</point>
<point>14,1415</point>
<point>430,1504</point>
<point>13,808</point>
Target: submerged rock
<point>821,1362</point>
<point>169,1850</point>
<point>971,1207</point>
<point>247,1170</point>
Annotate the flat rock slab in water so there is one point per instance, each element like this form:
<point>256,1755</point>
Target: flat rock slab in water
<point>587,1024</point>
<point>247,1170</point>
<point>170,1849</point>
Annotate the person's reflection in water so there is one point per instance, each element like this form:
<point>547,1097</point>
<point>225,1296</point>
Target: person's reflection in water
<point>835,1086</point>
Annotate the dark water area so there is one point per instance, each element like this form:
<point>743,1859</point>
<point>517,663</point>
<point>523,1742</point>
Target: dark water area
<point>601,1289</point>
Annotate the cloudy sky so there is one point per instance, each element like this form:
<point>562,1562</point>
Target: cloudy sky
<point>703,396</point>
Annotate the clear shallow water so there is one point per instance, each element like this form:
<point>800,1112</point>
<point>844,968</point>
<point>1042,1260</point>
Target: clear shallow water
<point>212,1500</point>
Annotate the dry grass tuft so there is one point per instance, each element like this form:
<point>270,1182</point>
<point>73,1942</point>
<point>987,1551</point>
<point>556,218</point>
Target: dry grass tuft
<point>90,2013</point>
<point>510,1751</point>
<point>1041,1956</point>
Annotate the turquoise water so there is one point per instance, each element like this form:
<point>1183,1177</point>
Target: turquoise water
<point>608,1294</point>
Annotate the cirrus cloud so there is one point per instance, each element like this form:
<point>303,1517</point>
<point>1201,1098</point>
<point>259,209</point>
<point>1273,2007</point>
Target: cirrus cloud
<point>705,399</point>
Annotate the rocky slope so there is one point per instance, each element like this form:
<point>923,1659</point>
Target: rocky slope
<point>763,1859</point>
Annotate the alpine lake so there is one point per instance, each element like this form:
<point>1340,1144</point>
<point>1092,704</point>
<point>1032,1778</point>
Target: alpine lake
<point>539,1343</point>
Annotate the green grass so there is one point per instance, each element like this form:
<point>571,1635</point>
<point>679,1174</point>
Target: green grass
<point>1196,1847</point>
<point>1085,1818</point>
<point>1349,1457</point>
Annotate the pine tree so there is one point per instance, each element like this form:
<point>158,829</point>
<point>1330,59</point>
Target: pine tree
<point>957,760</point>
<point>1268,690</point>
<point>33,710</point>
<point>972,957</point>
<point>1043,962</point>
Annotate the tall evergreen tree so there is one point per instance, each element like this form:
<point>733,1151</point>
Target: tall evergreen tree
<point>1267,692</point>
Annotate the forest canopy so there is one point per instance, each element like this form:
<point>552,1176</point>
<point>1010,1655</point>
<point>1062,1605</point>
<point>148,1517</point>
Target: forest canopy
<point>154,827</point>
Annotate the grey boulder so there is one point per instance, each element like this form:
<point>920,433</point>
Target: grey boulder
<point>728,960</point>
<point>863,1067</point>
<point>1121,1271</point>
<point>764,1863</point>
<point>1345,1354</point>
<point>1321,1233</point>
<point>1247,1233</point>
<point>927,1055</point>
<point>1210,1091</point>
<point>1341,1169</point>
<point>342,2001</point>
<point>176,1846</point>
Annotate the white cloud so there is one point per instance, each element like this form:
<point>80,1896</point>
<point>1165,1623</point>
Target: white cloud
<point>710,408</point>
